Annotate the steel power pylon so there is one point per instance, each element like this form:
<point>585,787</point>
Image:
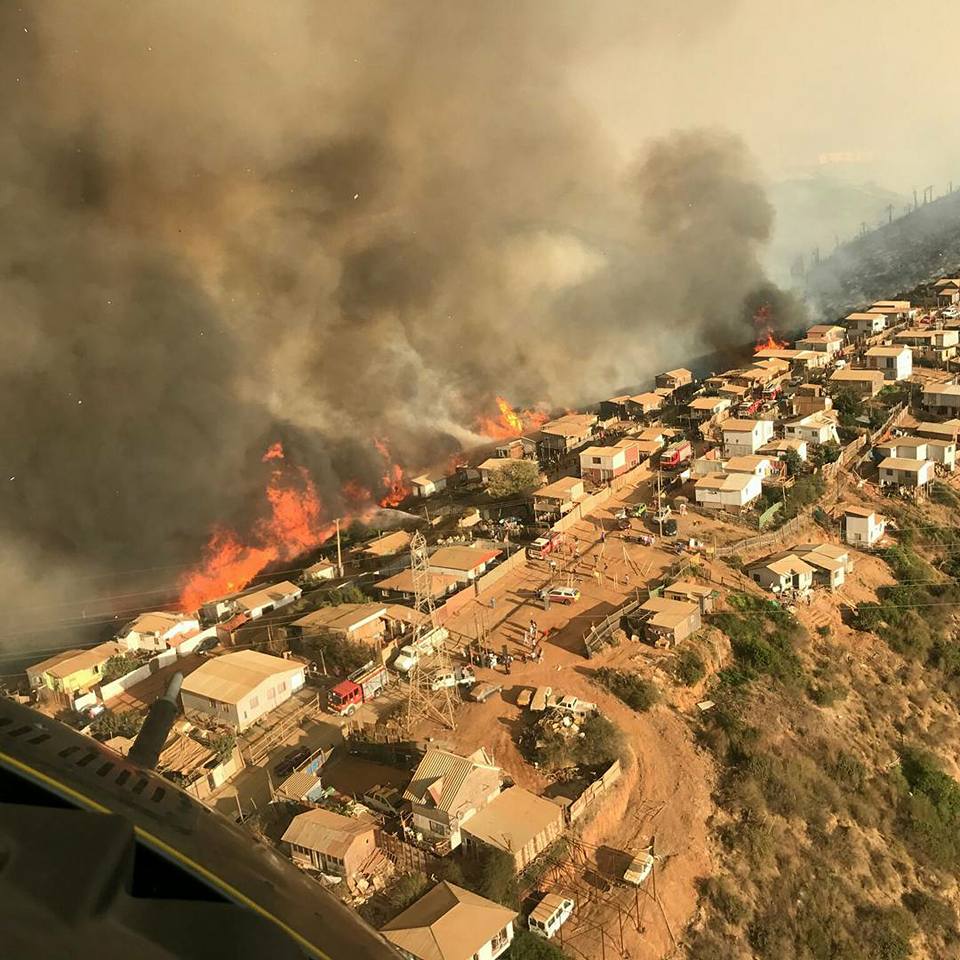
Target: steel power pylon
<point>423,702</point>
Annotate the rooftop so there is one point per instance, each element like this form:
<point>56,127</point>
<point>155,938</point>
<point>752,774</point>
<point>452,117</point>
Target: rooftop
<point>572,425</point>
<point>749,462</point>
<point>859,512</point>
<point>463,558</point>
<point>668,613</point>
<point>442,778</point>
<point>272,593</point>
<point>886,351</point>
<point>342,617</point>
<point>159,621</point>
<point>690,587</point>
<point>402,582</point>
<point>388,544</point>
<point>708,403</point>
<point>857,374</point>
<point>84,660</point>
<point>739,426</point>
<point>511,820</point>
<point>907,466</point>
<point>229,678</point>
<point>447,923</point>
<point>326,831</point>
<point>787,565</point>
<point>561,489</point>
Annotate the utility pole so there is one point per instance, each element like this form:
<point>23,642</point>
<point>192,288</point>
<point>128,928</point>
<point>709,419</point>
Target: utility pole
<point>889,213</point>
<point>914,198</point>
<point>339,555</point>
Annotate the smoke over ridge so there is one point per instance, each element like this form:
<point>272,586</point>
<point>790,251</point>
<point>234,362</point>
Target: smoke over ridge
<point>222,225</point>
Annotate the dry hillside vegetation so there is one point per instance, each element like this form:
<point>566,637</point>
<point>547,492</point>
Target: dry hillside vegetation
<point>838,821</point>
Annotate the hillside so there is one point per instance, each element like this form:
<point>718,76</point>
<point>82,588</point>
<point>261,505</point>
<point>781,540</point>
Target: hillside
<point>911,250</point>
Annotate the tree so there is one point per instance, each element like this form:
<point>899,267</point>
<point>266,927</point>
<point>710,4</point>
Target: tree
<point>793,463</point>
<point>222,746</point>
<point>848,405</point>
<point>515,476</point>
<point>528,946</point>
<point>119,666</point>
<point>828,452</point>
<point>498,877</point>
<point>110,724</point>
<point>338,655</point>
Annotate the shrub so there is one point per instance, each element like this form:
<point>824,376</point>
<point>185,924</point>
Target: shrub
<point>528,946</point>
<point>689,667</point>
<point>933,915</point>
<point>119,666</point>
<point>636,692</point>
<point>720,893</point>
<point>516,476</point>
<point>339,655</point>
<point>222,746</point>
<point>929,815</point>
<point>112,724</point>
<point>761,636</point>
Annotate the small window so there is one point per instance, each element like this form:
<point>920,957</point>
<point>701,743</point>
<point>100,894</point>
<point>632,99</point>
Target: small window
<point>254,702</point>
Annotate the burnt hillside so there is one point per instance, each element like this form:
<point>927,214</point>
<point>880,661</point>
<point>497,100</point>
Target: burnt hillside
<point>892,260</point>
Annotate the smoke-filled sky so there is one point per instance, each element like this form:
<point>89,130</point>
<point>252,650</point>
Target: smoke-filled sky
<point>227,223</point>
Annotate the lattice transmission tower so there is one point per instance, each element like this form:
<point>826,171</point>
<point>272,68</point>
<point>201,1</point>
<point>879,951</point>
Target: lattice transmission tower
<point>424,702</point>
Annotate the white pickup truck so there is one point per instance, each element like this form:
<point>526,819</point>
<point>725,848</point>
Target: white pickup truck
<point>409,655</point>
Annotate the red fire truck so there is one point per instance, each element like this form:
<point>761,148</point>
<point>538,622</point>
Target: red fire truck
<point>362,685</point>
<point>676,454</point>
<point>542,547</point>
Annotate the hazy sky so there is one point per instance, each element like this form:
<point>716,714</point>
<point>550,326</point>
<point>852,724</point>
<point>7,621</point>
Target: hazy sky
<point>795,81</point>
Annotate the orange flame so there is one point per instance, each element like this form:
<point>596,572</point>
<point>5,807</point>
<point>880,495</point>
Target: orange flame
<point>274,452</point>
<point>295,524</point>
<point>394,482</point>
<point>510,423</point>
<point>770,342</point>
<point>763,321</point>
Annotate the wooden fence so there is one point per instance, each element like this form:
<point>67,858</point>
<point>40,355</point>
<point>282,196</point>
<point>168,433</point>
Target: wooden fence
<point>598,636</point>
<point>595,790</point>
<point>764,540</point>
<point>406,857</point>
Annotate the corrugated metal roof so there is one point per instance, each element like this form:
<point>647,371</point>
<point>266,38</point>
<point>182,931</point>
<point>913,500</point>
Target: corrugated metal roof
<point>228,679</point>
<point>447,774</point>
<point>327,832</point>
<point>510,821</point>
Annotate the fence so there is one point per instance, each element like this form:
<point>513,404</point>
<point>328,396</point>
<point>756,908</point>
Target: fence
<point>596,789</point>
<point>764,540</point>
<point>407,857</point>
<point>110,690</point>
<point>598,636</point>
<point>586,506</point>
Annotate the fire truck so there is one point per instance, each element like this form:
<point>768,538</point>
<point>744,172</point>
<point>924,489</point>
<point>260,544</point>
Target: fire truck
<point>362,685</point>
<point>542,547</point>
<point>674,455</point>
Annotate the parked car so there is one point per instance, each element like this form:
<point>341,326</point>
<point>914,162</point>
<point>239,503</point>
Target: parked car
<point>639,869</point>
<point>483,691</point>
<point>560,594</point>
<point>387,800</point>
<point>451,678</point>
<point>549,915</point>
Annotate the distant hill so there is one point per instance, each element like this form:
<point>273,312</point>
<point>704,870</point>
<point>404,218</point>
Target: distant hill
<point>891,260</point>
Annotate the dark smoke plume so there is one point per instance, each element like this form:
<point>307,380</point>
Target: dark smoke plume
<point>224,224</point>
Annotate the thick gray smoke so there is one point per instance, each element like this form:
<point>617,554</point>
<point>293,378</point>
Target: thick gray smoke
<point>223,224</point>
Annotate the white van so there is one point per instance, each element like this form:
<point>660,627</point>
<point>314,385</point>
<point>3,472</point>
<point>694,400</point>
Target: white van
<point>549,915</point>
